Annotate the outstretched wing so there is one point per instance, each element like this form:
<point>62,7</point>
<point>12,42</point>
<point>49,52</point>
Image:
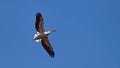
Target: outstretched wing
<point>47,46</point>
<point>39,23</point>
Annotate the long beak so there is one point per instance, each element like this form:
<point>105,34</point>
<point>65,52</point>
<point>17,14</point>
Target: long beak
<point>52,30</point>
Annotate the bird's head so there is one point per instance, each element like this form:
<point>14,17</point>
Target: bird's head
<point>49,31</point>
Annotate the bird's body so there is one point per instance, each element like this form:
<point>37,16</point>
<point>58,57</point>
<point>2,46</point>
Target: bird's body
<point>39,36</point>
<point>42,36</point>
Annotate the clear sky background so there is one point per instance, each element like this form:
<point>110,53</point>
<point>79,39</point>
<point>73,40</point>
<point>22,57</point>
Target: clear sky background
<point>88,33</point>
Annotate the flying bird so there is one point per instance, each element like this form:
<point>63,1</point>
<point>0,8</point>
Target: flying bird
<point>42,35</point>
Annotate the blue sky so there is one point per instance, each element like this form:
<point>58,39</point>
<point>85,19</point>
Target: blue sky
<point>88,33</point>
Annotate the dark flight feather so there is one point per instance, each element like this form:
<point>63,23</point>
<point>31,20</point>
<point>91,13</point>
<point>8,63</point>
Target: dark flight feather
<point>46,45</point>
<point>39,23</point>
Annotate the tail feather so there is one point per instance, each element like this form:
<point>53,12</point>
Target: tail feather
<point>35,37</point>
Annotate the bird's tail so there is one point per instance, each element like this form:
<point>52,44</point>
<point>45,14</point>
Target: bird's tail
<point>36,40</point>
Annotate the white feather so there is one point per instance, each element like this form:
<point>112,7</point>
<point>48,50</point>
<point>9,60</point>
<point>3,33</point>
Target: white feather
<point>35,36</point>
<point>37,40</point>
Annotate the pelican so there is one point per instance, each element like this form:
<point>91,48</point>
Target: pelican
<point>42,35</point>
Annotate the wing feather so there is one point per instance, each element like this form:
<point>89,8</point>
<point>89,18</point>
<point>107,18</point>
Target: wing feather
<point>39,24</point>
<point>47,46</point>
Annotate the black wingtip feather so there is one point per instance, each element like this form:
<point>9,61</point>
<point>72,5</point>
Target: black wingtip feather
<point>38,14</point>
